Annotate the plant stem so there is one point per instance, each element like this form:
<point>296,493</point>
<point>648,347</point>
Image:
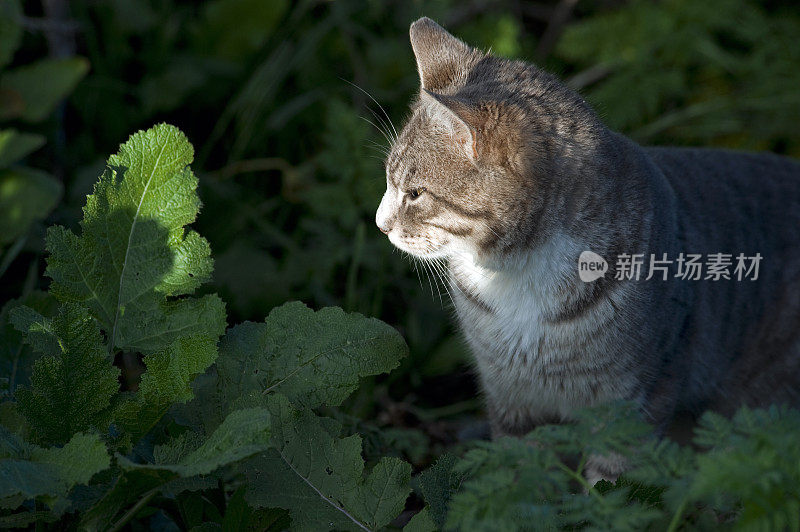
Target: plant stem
<point>133,511</point>
<point>582,481</point>
<point>673,524</point>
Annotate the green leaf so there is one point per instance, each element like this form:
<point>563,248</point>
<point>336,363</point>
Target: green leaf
<point>40,86</point>
<point>167,381</point>
<point>34,472</point>
<point>243,433</point>
<point>26,196</point>
<point>140,484</point>
<point>16,357</point>
<point>313,358</point>
<point>422,522</point>
<point>134,255</point>
<point>15,145</point>
<point>10,29</point>
<point>437,484</point>
<point>240,516</point>
<point>72,385</point>
<point>320,477</point>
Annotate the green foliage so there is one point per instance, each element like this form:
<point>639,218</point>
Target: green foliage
<point>17,357</point>
<point>26,195</point>
<point>134,257</point>
<point>718,71</point>
<point>290,174</point>
<point>28,471</point>
<point>10,29</point>
<point>743,474</point>
<point>124,286</point>
<point>313,358</point>
<point>34,90</point>
<point>243,433</point>
<point>28,93</point>
<point>318,475</point>
<point>73,383</point>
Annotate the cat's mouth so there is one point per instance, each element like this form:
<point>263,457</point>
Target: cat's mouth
<point>422,247</point>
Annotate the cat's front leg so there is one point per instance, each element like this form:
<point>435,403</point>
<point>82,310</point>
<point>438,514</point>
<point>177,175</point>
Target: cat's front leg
<point>505,420</point>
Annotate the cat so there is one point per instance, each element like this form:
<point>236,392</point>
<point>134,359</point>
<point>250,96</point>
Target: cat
<point>506,177</point>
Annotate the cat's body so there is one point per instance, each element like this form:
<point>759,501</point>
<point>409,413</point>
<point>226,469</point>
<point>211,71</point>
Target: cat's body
<point>508,176</point>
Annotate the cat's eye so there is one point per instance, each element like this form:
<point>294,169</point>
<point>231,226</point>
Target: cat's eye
<point>414,193</point>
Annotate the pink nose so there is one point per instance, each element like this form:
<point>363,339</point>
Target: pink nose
<point>384,230</point>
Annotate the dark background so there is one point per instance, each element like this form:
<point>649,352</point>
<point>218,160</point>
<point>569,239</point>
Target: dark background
<point>290,168</point>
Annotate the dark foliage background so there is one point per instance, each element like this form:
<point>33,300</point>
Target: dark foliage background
<point>290,167</point>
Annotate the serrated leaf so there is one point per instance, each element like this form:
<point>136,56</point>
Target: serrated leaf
<point>167,381</point>
<point>319,477</point>
<point>36,472</point>
<point>73,383</point>
<point>243,433</point>
<point>26,196</point>
<point>437,484</point>
<point>134,253</point>
<point>15,145</point>
<point>42,85</point>
<point>313,358</point>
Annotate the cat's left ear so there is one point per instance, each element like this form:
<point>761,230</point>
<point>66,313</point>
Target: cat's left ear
<point>441,58</point>
<point>456,116</point>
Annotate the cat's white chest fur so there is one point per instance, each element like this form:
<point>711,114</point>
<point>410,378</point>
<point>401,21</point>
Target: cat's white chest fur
<point>525,362</point>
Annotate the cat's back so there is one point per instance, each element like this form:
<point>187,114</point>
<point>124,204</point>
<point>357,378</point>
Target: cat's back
<point>739,200</point>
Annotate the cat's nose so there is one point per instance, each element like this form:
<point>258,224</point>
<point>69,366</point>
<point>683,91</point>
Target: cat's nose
<point>384,218</point>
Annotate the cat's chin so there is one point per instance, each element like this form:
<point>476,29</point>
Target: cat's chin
<point>420,250</point>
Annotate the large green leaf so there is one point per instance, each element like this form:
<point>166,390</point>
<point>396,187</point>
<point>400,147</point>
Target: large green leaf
<point>244,433</point>
<point>313,358</point>
<point>320,477</point>
<point>26,196</point>
<point>28,471</point>
<point>134,254</point>
<point>39,87</point>
<point>73,383</point>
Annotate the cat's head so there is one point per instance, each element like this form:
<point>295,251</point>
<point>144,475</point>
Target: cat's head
<point>474,168</point>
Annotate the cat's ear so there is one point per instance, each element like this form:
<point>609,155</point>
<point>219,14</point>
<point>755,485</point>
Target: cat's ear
<point>457,118</point>
<point>440,57</point>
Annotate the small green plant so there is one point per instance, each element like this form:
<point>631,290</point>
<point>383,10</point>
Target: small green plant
<point>743,474</point>
<point>76,448</point>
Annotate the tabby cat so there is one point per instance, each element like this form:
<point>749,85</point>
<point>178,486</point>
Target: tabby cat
<point>506,176</point>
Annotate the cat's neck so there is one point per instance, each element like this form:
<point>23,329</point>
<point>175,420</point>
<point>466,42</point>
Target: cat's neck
<point>622,205</point>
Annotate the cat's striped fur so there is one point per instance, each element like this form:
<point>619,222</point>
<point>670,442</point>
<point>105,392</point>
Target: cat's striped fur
<point>508,176</point>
